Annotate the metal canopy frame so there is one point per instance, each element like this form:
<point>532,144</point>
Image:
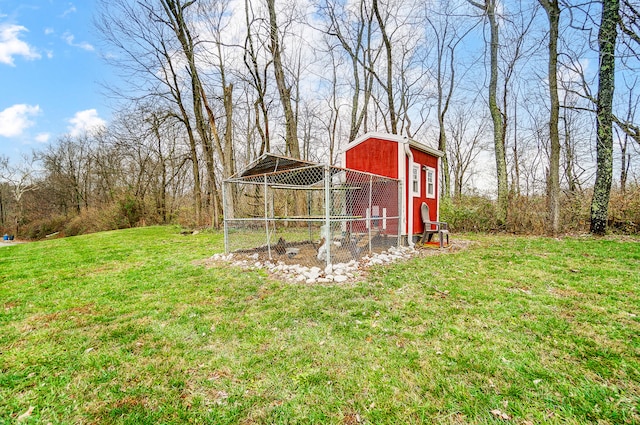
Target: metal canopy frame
<point>340,203</point>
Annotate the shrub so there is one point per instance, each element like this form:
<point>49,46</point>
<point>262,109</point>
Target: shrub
<point>40,228</point>
<point>469,214</point>
<point>130,212</point>
<point>91,220</point>
<point>527,215</point>
<point>624,210</point>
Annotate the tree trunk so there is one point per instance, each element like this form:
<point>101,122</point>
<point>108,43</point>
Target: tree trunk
<point>625,156</point>
<point>195,165</point>
<point>516,155</point>
<point>443,106</point>
<point>389,85</point>
<point>604,137</point>
<point>259,79</point>
<point>2,213</point>
<point>229,156</point>
<point>496,116</point>
<point>174,10</point>
<point>553,184</point>
<point>291,126</point>
<point>625,164</point>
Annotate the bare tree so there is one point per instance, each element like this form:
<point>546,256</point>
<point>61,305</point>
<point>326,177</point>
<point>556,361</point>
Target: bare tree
<point>352,25</point>
<point>291,125</point>
<point>21,179</point>
<point>552,8</point>
<point>148,52</point>
<point>574,125</point>
<point>147,141</point>
<point>447,39</point>
<point>68,166</point>
<point>623,139</point>
<point>488,9</point>
<point>4,202</point>
<point>466,144</point>
<point>606,77</point>
<point>388,83</point>
<point>213,13</point>
<point>258,79</point>
<point>629,24</point>
<point>173,16</point>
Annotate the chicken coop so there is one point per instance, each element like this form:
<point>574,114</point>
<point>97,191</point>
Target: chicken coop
<point>286,209</point>
<point>417,165</point>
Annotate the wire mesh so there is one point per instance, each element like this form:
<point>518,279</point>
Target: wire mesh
<point>312,215</point>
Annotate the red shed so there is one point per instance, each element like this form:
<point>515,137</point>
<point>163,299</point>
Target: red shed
<point>416,165</point>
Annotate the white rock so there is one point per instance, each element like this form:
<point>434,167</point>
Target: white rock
<point>254,256</point>
<point>340,279</point>
<point>323,280</point>
<point>311,281</point>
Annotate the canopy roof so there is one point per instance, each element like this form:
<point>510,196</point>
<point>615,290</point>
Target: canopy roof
<point>269,163</point>
<point>282,170</point>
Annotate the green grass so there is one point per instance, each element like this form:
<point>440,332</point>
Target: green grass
<point>124,327</point>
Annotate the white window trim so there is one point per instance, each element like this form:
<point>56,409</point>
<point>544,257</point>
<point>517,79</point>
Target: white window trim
<point>415,166</point>
<point>432,171</point>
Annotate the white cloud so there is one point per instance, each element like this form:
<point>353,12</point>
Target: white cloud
<point>70,39</point>
<point>49,31</point>
<point>85,121</point>
<point>43,137</point>
<point>15,119</point>
<point>11,45</point>
<point>69,11</point>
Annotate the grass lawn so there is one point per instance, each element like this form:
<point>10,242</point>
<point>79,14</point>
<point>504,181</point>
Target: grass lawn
<point>124,327</point>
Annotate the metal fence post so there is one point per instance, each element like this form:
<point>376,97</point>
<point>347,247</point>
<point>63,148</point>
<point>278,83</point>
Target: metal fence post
<point>400,212</point>
<point>327,212</point>
<point>224,217</point>
<point>266,216</point>
<point>370,209</point>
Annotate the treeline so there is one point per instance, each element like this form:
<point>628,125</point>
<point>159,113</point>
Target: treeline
<point>534,104</point>
<point>105,180</point>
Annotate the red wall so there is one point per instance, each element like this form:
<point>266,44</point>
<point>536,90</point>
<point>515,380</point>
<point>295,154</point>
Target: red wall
<point>375,156</point>
<point>423,158</point>
<point>380,156</point>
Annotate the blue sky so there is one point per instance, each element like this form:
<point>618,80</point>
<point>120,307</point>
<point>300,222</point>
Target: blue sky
<point>50,72</point>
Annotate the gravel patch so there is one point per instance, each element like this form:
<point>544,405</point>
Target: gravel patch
<point>334,273</point>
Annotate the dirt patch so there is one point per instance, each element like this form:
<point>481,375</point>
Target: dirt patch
<point>10,243</point>
<point>310,254</point>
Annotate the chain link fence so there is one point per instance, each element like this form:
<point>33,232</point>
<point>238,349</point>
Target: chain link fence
<point>310,214</point>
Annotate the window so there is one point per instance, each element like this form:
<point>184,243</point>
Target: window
<point>431,182</point>
<point>415,180</point>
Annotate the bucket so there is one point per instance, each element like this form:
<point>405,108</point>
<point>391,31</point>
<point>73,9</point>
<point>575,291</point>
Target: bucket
<point>5,237</point>
<point>10,237</point>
